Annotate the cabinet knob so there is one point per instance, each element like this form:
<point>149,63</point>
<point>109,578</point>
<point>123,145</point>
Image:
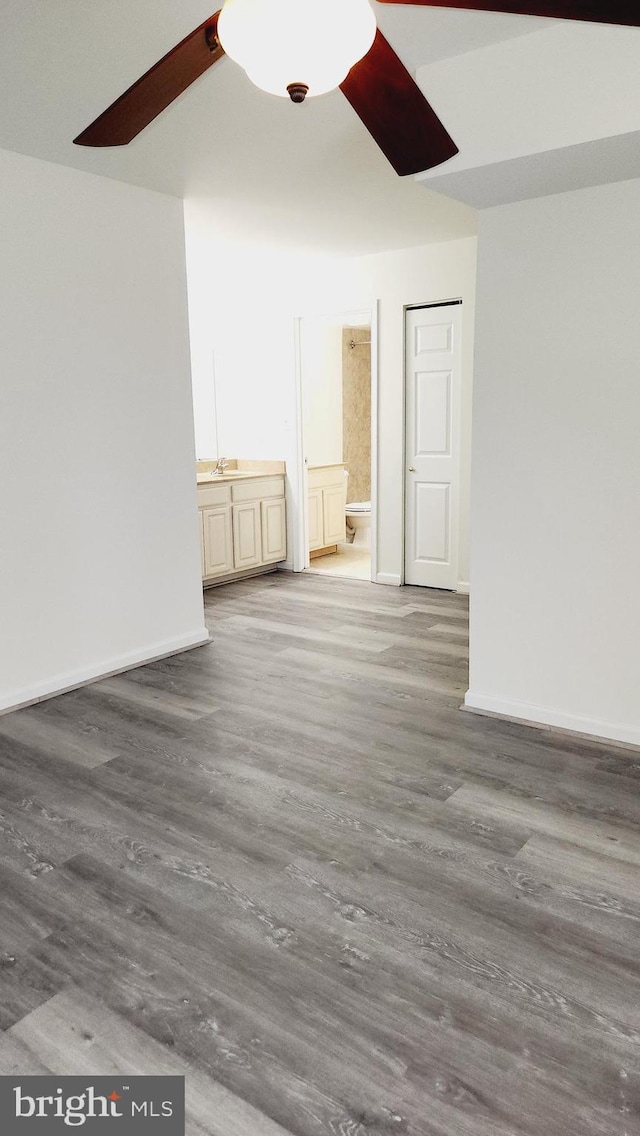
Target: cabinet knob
<point>412,469</point>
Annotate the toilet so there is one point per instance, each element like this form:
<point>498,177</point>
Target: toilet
<point>358,516</point>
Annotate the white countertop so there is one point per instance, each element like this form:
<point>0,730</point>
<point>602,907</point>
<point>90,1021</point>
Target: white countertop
<point>238,469</point>
<point>210,478</point>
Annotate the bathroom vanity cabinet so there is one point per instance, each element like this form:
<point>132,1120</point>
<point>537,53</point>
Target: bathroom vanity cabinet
<point>327,499</point>
<point>243,524</point>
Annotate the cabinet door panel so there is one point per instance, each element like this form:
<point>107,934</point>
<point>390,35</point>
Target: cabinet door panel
<point>333,515</point>
<point>246,535</point>
<point>217,541</point>
<point>316,526</point>
<point>274,531</point>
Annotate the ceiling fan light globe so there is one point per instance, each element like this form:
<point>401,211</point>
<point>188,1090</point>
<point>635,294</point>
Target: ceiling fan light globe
<point>280,42</point>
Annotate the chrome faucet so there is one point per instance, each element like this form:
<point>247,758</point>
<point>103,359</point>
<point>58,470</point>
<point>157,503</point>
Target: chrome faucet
<point>221,465</point>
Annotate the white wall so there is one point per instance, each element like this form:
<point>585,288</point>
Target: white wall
<point>99,566</point>
<point>241,313</point>
<point>555,612</point>
<point>242,305</point>
<point>321,358</point>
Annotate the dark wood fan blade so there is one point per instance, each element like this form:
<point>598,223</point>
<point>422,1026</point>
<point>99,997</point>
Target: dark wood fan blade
<point>156,90</point>
<point>395,111</point>
<point>594,11</point>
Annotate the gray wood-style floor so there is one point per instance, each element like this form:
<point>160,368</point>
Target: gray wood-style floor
<point>289,866</point>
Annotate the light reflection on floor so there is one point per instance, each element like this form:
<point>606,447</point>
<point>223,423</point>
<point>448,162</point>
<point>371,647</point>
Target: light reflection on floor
<point>350,560</point>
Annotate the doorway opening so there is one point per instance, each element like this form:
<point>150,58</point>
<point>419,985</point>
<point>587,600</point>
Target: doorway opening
<point>337,360</point>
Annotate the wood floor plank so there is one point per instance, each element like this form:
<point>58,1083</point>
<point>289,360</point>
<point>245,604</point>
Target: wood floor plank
<point>339,666</point>
<point>160,700</point>
<point>35,726</point>
<point>453,610</point>
<point>287,864</point>
<point>20,849</point>
<point>264,997</point>
<point>16,1059</point>
<point>455,630</point>
<point>363,638</point>
<point>79,1036</point>
<point>617,842</point>
<point>593,879</point>
<point>26,915</point>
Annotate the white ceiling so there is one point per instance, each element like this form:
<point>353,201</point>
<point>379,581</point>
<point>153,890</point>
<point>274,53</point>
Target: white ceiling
<point>307,176</point>
<point>549,112</point>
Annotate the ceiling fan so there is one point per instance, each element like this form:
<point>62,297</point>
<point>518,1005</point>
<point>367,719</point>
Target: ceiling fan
<point>306,47</point>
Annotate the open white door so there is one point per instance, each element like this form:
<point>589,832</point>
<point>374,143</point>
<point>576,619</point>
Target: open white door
<point>432,444</point>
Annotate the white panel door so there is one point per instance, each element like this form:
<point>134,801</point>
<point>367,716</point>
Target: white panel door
<point>274,530</point>
<point>247,548</point>
<point>334,518</point>
<point>432,445</point>
<point>217,540</point>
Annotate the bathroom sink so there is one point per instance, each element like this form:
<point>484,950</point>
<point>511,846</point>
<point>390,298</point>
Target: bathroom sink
<point>223,476</point>
<point>231,473</point>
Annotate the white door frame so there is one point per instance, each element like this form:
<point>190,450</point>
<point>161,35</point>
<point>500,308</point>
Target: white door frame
<point>301,520</point>
<point>450,301</point>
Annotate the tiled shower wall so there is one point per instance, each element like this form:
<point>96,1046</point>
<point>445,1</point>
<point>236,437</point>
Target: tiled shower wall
<point>356,411</point>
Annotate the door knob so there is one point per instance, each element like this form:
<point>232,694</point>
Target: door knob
<point>412,469</point>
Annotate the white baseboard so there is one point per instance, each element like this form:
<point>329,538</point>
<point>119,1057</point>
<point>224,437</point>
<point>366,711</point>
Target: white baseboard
<point>60,684</point>
<point>463,587</point>
<point>545,717</point>
<point>392,578</point>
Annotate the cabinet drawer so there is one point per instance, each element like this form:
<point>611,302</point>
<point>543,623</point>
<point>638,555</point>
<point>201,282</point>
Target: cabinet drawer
<point>214,495</point>
<point>325,476</point>
<point>257,488</point>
